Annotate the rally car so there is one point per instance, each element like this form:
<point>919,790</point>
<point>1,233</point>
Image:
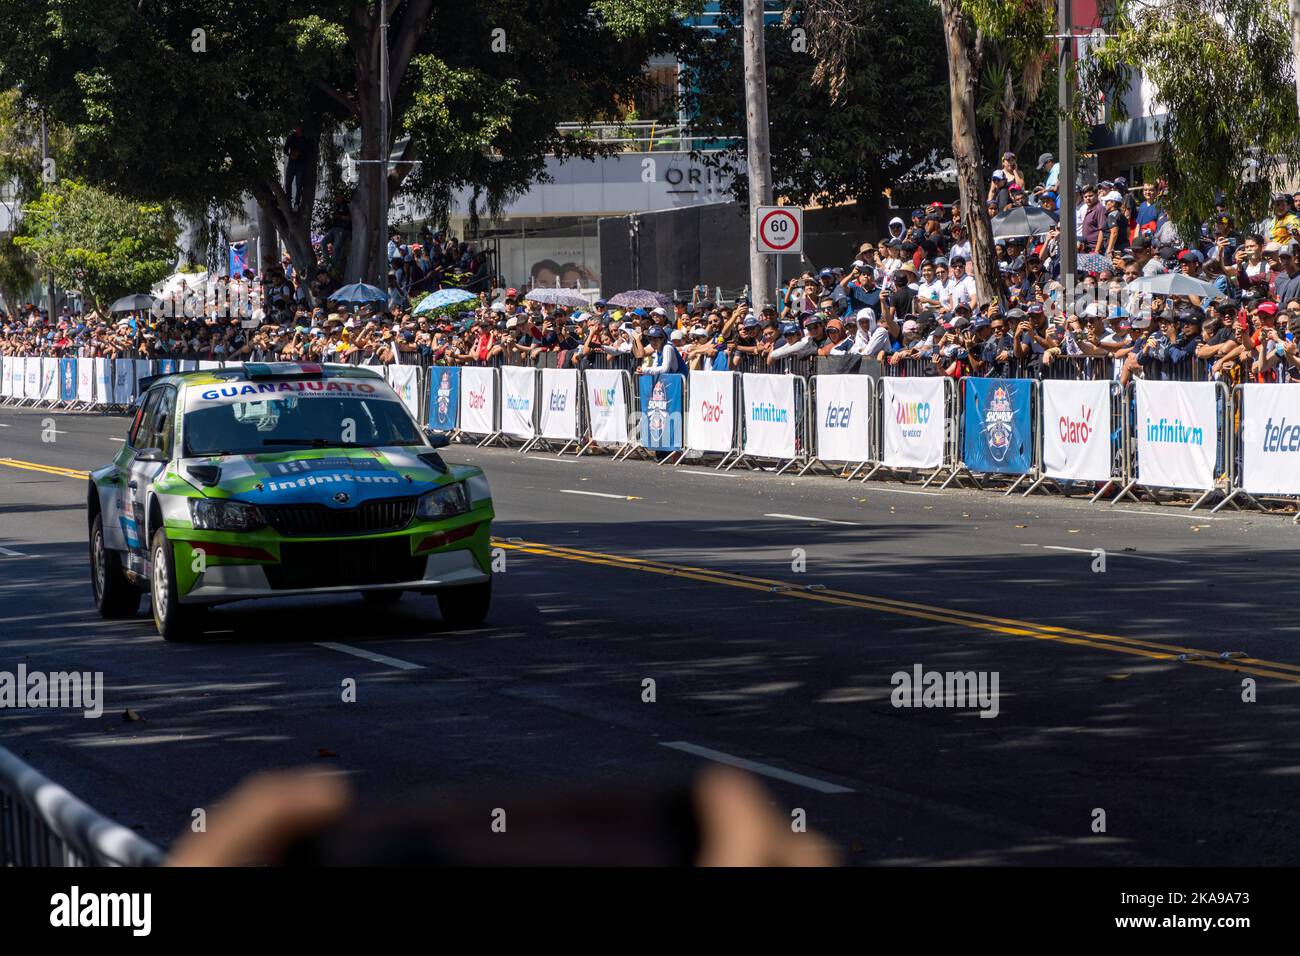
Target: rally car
<point>279,479</point>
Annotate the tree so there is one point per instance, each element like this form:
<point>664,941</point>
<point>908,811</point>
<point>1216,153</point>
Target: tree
<point>101,244</point>
<point>162,111</point>
<point>853,108</point>
<point>1224,72</point>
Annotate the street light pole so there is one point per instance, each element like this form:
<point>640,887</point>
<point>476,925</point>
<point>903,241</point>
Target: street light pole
<point>1065,146</point>
<point>384,148</point>
<point>45,165</point>
<point>759,153</point>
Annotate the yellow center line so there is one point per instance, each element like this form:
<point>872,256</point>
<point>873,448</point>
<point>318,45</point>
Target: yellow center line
<point>1151,650</point>
<point>46,469</point>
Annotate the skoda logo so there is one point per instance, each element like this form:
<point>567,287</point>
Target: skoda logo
<point>341,498</point>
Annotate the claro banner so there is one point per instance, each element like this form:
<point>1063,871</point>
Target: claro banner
<point>711,420</point>
<point>1076,430</point>
<point>999,431</point>
<point>478,398</point>
<point>1270,439</point>
<point>913,422</point>
<point>1177,434</point>
<point>843,417</point>
<point>770,416</point>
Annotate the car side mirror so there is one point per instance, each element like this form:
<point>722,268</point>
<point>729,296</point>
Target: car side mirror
<point>436,438</point>
<point>151,454</point>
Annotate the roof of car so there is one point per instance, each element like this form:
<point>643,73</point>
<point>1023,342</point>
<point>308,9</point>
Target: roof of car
<point>265,371</point>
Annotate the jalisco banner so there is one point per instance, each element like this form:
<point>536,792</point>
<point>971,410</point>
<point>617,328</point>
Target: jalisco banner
<point>518,396</point>
<point>444,397</point>
<point>1177,434</point>
<point>661,411</point>
<point>998,432</point>
<point>912,423</point>
<point>711,420</point>
<point>844,414</point>
<point>1076,430</point>
<point>1270,439</point>
<point>606,405</point>
<point>558,414</point>
<point>770,415</point>
<point>478,396</point>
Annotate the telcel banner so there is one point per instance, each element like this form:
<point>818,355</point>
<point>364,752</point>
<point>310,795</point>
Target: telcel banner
<point>478,398</point>
<point>843,417</point>
<point>998,436</point>
<point>444,397</point>
<point>770,416</point>
<point>1177,434</point>
<point>1270,439</point>
<point>711,420</point>
<point>1076,430</point>
<point>913,424</point>
<point>559,412</point>
<point>606,405</point>
<point>518,391</point>
<point>661,411</point>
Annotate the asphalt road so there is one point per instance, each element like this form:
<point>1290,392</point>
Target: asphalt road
<point>771,613</point>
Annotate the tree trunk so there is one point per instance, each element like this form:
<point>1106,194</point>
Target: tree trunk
<point>268,245</point>
<point>1295,45</point>
<point>1008,115</point>
<point>368,249</point>
<point>965,148</point>
<point>293,228</point>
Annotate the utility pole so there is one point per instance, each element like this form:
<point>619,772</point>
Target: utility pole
<point>1293,8</point>
<point>384,147</point>
<point>45,165</point>
<point>759,152</point>
<point>1065,147</point>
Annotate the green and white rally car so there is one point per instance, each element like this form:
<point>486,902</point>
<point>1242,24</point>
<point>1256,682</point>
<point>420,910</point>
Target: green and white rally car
<point>279,479</point>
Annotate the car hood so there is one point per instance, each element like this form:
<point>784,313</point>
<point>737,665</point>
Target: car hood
<point>335,477</point>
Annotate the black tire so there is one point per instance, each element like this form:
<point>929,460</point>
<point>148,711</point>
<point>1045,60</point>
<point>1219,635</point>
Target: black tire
<point>381,598</point>
<point>465,606</point>
<point>175,621</point>
<point>115,596</point>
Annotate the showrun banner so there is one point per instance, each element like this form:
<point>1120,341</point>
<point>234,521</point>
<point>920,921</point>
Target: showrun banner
<point>1177,434</point>
<point>912,429</point>
<point>444,397</point>
<point>661,411</point>
<point>998,436</point>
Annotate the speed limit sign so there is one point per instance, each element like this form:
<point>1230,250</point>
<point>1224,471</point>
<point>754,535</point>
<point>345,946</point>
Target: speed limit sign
<point>780,229</point>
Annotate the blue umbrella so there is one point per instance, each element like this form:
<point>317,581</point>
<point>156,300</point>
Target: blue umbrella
<point>443,298</point>
<point>359,293</point>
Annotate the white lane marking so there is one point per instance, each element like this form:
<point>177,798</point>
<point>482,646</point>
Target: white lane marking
<point>110,438</point>
<point>712,474</point>
<point>16,554</point>
<point>851,524</point>
<point>371,656</point>
<point>563,461</point>
<point>1192,516</point>
<point>903,491</point>
<point>776,773</point>
<point>1109,552</point>
<point>3,425</point>
<point>599,494</point>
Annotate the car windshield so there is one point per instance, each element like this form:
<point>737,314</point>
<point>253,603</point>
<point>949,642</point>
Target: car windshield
<point>223,424</point>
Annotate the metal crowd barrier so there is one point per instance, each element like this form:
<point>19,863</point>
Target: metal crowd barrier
<point>42,824</point>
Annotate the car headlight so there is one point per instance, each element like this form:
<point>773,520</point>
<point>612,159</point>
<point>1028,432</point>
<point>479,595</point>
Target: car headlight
<point>216,514</point>
<point>446,502</point>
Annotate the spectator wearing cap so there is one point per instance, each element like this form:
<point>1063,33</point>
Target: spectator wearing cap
<point>999,348</point>
<point>1116,227</point>
<point>1051,171</point>
<point>859,287</point>
<point>902,302</point>
<point>664,357</point>
<point>1221,243</point>
<point>837,342</point>
<point>813,338</point>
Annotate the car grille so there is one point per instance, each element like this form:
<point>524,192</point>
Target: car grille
<point>370,517</point>
<point>325,564</point>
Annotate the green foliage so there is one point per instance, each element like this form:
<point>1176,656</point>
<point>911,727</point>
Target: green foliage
<point>1225,75</point>
<point>16,275</point>
<point>104,245</point>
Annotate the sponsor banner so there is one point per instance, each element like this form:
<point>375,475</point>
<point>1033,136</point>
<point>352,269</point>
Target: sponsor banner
<point>843,410</point>
<point>606,405</point>
<point>768,401</point>
<point>86,381</point>
<point>444,397</point>
<point>998,436</point>
<point>229,393</point>
<point>189,365</point>
<point>405,381</point>
<point>103,380</point>
<point>32,377</point>
<point>912,429</point>
<point>67,380</point>
<point>478,400</point>
<point>123,391</point>
<point>518,394</point>
<point>166,366</point>
<point>1076,430</point>
<point>1270,439</point>
<point>7,363</point>
<point>711,419</point>
<point>208,363</point>
<point>1177,434</point>
<point>49,379</point>
<point>661,411</point>
<point>558,416</point>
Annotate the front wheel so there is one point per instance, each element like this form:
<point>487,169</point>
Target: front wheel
<point>174,621</point>
<point>115,596</point>
<point>465,606</point>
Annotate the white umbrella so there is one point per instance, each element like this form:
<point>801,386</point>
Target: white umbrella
<point>1175,283</point>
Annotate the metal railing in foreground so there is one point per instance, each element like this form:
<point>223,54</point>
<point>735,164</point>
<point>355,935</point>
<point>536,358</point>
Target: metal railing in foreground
<point>42,824</point>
